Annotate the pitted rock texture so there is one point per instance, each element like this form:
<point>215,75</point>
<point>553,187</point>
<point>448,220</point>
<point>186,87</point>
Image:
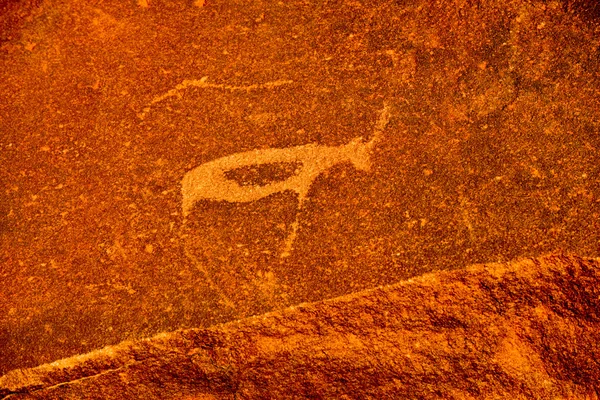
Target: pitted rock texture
<point>491,152</point>
<point>525,329</point>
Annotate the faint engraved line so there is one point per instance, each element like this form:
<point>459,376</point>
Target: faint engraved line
<point>86,378</point>
<point>37,385</point>
<point>203,83</point>
<point>382,121</point>
<point>209,182</point>
<point>213,286</point>
<point>464,205</point>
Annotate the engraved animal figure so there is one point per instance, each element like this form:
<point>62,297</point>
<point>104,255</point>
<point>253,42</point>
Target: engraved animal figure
<point>209,182</point>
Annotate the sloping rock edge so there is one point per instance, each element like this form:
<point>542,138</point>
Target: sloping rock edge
<point>528,328</point>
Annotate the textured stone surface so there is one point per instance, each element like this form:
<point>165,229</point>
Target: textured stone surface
<point>526,329</point>
<point>490,152</point>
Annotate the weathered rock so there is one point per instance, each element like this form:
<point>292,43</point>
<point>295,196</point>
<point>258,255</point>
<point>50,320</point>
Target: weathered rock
<point>526,329</point>
<point>490,152</point>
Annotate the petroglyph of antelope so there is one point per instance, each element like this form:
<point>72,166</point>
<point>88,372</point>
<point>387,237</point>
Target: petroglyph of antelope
<point>209,181</point>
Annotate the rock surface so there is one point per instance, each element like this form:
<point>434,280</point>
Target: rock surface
<point>525,329</point>
<point>489,151</point>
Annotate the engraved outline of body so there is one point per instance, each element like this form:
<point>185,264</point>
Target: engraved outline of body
<point>208,181</point>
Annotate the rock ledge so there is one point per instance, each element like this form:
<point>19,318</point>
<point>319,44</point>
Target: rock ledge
<point>529,329</point>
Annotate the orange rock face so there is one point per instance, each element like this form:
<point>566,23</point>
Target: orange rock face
<point>527,329</point>
<point>179,164</point>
